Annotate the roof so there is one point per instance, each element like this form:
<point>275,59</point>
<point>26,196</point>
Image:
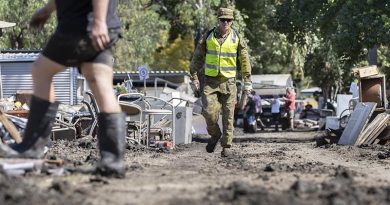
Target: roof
<point>311,90</point>
<point>165,74</point>
<point>4,24</point>
<point>152,72</point>
<point>275,80</point>
<point>18,57</point>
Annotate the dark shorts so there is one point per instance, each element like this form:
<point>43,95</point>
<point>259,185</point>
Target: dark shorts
<point>290,114</point>
<point>72,50</point>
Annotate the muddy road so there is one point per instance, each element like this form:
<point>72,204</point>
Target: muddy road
<point>266,168</point>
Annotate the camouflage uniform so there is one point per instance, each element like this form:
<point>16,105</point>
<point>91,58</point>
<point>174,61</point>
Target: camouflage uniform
<point>219,92</point>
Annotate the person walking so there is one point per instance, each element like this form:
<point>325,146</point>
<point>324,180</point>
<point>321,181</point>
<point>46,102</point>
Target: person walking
<point>85,34</point>
<point>253,111</point>
<point>290,106</point>
<point>275,110</point>
<point>217,53</point>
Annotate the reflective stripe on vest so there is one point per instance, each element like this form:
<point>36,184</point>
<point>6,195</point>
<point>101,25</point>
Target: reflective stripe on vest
<point>221,58</point>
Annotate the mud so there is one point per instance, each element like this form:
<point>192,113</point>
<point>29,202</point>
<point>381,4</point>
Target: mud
<point>265,168</point>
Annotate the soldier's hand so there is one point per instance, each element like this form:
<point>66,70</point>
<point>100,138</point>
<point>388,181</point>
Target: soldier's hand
<point>248,87</point>
<point>196,83</point>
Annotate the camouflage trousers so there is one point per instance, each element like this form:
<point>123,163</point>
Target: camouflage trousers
<point>219,97</point>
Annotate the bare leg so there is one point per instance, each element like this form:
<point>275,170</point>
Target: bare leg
<point>112,128</point>
<point>43,109</point>
<point>99,77</point>
<point>43,71</point>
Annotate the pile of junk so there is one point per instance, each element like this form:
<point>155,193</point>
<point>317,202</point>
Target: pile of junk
<point>72,122</point>
<point>151,121</point>
<point>361,118</point>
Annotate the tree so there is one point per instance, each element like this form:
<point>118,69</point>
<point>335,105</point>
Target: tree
<point>324,68</point>
<point>350,28</point>
<point>143,32</point>
<point>270,50</point>
<point>20,36</point>
<point>176,55</point>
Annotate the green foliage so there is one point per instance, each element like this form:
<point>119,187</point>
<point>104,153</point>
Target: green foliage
<point>349,27</point>
<point>20,36</point>
<point>176,56</point>
<point>324,68</point>
<point>270,50</point>
<point>143,31</point>
<point>320,40</point>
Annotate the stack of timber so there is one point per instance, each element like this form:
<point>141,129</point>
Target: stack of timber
<point>373,130</point>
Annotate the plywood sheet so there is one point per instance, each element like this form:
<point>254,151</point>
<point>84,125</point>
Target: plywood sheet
<point>357,122</point>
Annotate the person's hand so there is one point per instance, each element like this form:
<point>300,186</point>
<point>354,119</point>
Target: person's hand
<point>196,83</point>
<point>248,87</point>
<point>39,18</point>
<point>99,35</point>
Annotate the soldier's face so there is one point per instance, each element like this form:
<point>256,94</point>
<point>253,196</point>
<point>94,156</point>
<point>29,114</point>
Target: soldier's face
<point>224,24</point>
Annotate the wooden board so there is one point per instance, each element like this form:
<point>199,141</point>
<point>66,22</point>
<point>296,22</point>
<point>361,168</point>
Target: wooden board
<point>366,71</point>
<point>10,127</point>
<point>372,131</point>
<point>357,122</point>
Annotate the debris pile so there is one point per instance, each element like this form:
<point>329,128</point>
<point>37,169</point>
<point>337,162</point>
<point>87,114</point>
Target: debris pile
<point>367,119</point>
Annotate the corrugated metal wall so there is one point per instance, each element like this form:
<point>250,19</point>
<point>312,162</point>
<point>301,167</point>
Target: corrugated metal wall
<point>17,76</point>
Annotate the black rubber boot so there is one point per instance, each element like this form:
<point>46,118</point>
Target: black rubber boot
<point>37,133</point>
<point>112,144</point>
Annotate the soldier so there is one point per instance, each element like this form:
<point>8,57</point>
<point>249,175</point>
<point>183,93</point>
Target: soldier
<point>217,53</point>
<point>86,31</point>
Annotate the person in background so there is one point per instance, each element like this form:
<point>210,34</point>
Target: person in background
<point>85,34</point>
<point>254,110</point>
<point>290,106</point>
<point>218,53</point>
<point>275,110</point>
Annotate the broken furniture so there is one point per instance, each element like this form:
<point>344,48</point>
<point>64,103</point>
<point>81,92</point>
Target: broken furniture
<point>76,124</point>
<point>373,89</point>
<point>151,118</point>
<point>366,121</point>
<point>136,125</point>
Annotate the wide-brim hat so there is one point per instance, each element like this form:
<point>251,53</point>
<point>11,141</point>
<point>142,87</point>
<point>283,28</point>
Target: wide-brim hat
<point>4,24</point>
<point>225,13</point>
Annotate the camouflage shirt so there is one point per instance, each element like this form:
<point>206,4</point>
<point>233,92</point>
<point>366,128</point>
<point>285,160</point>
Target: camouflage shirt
<point>198,59</point>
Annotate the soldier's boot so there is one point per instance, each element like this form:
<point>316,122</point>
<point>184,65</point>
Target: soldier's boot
<point>112,144</point>
<point>37,132</point>
<point>212,143</point>
<point>226,152</point>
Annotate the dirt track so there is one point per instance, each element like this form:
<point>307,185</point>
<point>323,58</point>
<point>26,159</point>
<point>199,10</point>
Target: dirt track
<point>266,168</point>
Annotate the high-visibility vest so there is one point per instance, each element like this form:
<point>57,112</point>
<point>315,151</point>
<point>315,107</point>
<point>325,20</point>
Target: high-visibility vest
<point>223,58</point>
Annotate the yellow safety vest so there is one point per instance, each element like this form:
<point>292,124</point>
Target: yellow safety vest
<point>223,58</point>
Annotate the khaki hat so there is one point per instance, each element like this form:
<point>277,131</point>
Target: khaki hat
<point>4,24</point>
<point>225,13</point>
